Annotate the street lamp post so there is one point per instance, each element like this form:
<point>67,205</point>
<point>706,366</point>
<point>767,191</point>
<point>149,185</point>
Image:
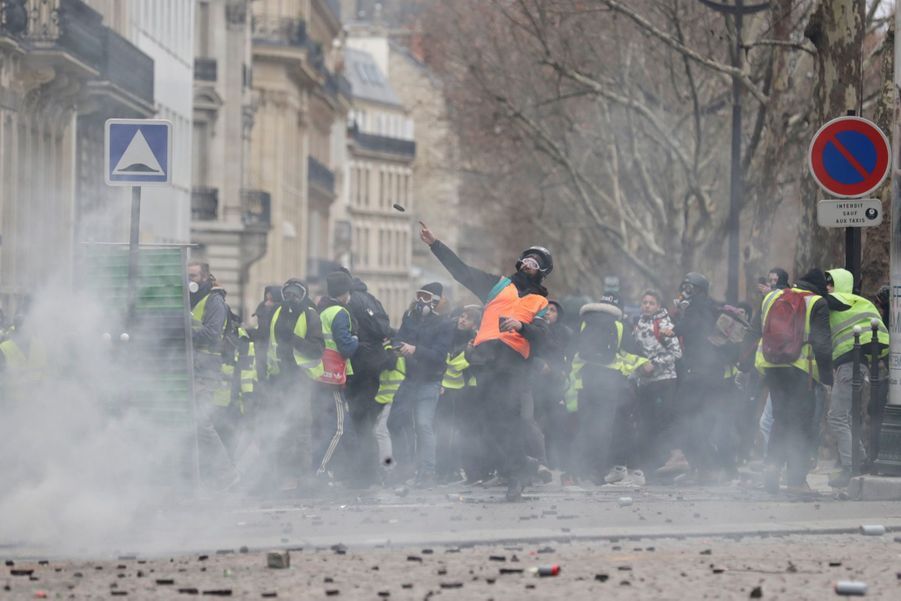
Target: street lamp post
<point>736,179</point>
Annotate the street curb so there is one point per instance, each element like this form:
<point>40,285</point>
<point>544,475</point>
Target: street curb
<point>613,534</point>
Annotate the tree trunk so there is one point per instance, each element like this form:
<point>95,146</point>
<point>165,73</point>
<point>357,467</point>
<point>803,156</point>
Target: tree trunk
<point>874,268</point>
<point>836,29</point>
<point>766,189</point>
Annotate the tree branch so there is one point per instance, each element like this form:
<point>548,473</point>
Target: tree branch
<point>673,43</point>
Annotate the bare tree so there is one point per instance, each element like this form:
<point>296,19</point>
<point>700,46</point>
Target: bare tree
<point>601,127</point>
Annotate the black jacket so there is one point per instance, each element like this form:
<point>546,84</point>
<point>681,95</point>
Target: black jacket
<point>820,332</point>
<point>481,283</point>
<point>432,336</point>
<point>311,346</point>
<point>372,327</point>
<point>694,326</point>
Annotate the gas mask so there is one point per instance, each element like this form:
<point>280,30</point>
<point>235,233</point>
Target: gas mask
<point>193,287</point>
<point>294,295</point>
<point>426,302</point>
<point>686,294</point>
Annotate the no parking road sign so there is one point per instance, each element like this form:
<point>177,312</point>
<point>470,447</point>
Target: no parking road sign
<point>849,157</point>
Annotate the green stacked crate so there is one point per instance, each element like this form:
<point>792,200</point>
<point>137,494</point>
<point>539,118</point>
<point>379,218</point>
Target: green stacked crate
<point>156,361</point>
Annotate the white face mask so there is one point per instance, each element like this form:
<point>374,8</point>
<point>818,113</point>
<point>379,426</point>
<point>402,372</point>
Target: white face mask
<point>193,287</point>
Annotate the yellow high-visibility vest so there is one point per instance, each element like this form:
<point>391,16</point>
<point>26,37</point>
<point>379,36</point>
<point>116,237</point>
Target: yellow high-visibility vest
<point>806,361</point>
<point>861,313</point>
<point>312,367</point>
<point>390,381</point>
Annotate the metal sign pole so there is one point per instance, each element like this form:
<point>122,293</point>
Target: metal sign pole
<point>853,246</point>
<point>852,255</point>
<point>133,240</point>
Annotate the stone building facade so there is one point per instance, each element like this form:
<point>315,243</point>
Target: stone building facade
<point>381,153</point>
<point>63,72</point>
<point>298,130</point>
<point>229,220</point>
<point>436,180</point>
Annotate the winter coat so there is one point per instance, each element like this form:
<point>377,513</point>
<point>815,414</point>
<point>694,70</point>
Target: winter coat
<point>372,328</point>
<point>432,336</point>
<point>663,351</point>
<point>599,342</point>
<point>700,357</point>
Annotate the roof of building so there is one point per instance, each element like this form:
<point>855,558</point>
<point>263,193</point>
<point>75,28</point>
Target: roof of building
<point>366,79</point>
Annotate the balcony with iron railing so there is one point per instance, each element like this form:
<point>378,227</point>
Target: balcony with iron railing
<point>256,209</point>
<point>383,144</point>
<point>321,176</point>
<point>338,85</point>
<point>74,30</point>
<point>204,203</point>
<point>126,67</point>
<point>286,31</point>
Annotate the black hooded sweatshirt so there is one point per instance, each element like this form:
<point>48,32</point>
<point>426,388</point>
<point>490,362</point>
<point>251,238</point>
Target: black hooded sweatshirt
<point>372,328</point>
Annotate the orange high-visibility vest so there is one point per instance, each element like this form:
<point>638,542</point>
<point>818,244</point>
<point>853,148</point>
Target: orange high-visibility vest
<point>504,301</point>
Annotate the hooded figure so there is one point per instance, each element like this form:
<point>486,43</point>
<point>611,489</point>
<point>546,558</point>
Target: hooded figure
<point>848,311</point>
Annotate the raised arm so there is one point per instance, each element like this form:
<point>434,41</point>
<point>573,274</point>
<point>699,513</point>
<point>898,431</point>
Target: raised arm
<point>477,281</point>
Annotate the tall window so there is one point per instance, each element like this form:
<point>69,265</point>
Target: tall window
<point>381,247</point>
<point>366,171</point>
<point>407,189</point>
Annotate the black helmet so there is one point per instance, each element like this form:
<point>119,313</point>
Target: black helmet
<point>295,284</point>
<point>545,260</point>
<point>697,280</point>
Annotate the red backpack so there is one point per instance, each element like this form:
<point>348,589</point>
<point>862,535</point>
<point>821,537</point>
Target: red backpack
<point>783,330</point>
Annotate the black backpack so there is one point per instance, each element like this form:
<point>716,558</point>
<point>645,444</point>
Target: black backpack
<point>599,339</point>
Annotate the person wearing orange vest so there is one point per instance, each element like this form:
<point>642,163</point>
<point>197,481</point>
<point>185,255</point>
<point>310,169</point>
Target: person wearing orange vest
<point>513,320</point>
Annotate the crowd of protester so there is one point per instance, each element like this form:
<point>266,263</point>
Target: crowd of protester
<point>325,391</point>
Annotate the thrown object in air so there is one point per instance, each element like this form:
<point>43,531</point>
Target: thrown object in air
<point>398,207</point>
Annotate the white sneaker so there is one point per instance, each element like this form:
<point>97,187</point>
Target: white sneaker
<point>617,473</point>
<point>636,478</point>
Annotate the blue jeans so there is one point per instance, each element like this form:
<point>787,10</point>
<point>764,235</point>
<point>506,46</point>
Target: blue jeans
<point>412,426</point>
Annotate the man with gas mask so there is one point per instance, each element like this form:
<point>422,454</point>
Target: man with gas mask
<point>293,364</point>
<point>701,383</point>
<point>424,339</point>
<point>209,314</point>
<point>512,321</point>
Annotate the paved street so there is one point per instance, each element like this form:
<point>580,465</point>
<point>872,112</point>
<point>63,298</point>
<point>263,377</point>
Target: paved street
<point>657,546</point>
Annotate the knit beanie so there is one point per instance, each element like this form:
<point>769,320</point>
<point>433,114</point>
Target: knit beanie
<point>611,298</point>
<point>814,281</point>
<point>434,287</point>
<point>338,283</point>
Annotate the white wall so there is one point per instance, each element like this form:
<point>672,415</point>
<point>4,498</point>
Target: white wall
<point>164,29</point>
